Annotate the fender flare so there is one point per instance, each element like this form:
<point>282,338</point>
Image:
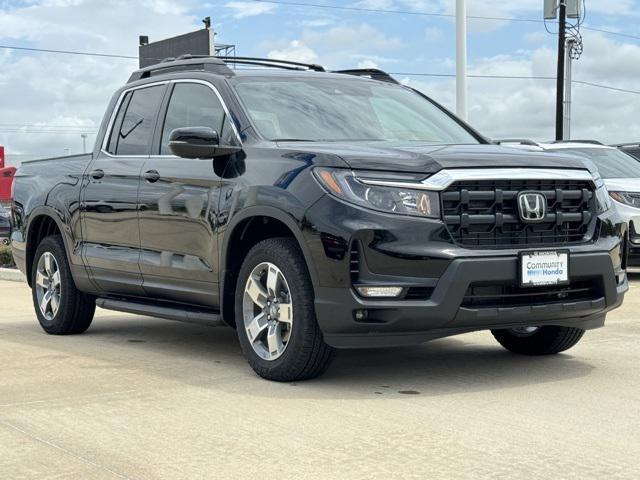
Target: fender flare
<point>46,211</point>
<point>277,214</point>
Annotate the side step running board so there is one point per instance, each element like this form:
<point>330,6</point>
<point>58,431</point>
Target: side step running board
<point>170,313</point>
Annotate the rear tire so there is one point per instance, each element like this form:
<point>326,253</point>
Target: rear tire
<point>543,341</point>
<point>275,306</point>
<point>61,308</point>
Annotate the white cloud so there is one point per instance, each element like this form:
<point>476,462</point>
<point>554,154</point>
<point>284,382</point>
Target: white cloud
<point>367,64</point>
<point>54,89</point>
<point>295,51</point>
<point>526,108</point>
<point>249,9</point>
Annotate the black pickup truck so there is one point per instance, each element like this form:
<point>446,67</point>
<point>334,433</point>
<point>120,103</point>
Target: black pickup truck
<point>314,210</point>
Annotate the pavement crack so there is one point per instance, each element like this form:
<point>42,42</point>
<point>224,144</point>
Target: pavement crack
<point>64,450</point>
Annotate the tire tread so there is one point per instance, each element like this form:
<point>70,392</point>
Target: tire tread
<point>314,355</point>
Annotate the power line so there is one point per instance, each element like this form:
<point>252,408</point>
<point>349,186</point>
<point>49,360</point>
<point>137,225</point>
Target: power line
<point>67,52</point>
<point>606,87</point>
<point>401,12</point>
<point>432,14</point>
<point>44,125</point>
<point>57,132</point>
<point>409,74</point>
<point>452,75</point>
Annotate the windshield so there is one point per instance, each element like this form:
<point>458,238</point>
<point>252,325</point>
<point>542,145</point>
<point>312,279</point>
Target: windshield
<point>333,109</point>
<point>611,162</point>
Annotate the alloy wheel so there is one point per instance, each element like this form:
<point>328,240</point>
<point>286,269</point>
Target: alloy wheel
<point>48,286</point>
<point>267,311</point>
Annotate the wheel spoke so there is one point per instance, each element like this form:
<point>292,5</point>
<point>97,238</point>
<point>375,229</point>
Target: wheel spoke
<point>256,327</point>
<point>274,340</point>
<point>48,263</point>
<point>55,303</point>
<point>272,281</point>
<point>256,292</point>
<point>44,302</point>
<point>56,278</point>
<point>41,280</point>
<point>286,313</point>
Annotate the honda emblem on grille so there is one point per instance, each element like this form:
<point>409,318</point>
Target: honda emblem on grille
<point>532,207</point>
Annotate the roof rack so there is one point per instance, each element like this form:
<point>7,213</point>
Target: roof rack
<point>592,142</point>
<point>268,62</point>
<point>519,141</point>
<point>372,73</point>
<point>629,144</point>
<point>220,65</point>
<point>182,63</point>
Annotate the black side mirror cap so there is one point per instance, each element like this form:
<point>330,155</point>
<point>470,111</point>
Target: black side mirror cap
<point>198,142</point>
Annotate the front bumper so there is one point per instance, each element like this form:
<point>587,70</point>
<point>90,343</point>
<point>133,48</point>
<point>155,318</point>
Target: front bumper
<point>418,253</point>
<point>405,322</point>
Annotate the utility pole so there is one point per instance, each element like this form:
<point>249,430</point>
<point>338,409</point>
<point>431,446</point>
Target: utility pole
<point>84,142</point>
<point>568,89</point>
<point>562,44</point>
<point>461,59</point>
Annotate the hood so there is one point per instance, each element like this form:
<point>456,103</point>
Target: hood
<point>623,184</point>
<point>415,157</point>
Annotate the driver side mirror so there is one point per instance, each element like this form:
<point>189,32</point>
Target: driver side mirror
<point>198,142</point>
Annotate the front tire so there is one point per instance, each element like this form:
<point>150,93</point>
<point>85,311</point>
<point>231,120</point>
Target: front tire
<point>547,340</point>
<point>275,314</point>
<point>61,308</point>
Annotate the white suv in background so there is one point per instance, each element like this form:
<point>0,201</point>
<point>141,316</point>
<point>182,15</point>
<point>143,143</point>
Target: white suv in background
<point>621,175</point>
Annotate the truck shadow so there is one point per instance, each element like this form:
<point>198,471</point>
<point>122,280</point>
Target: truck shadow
<point>210,357</point>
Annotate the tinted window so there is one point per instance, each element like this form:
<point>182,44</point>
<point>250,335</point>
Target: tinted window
<point>191,105</point>
<point>113,140</point>
<point>345,109</point>
<point>136,129</point>
<point>611,162</point>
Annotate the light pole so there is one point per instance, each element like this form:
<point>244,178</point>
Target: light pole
<point>461,59</point>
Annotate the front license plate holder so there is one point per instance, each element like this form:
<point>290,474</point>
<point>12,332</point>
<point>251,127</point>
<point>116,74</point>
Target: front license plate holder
<point>544,268</point>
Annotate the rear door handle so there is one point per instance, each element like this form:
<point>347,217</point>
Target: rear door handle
<point>151,176</point>
<point>97,174</point>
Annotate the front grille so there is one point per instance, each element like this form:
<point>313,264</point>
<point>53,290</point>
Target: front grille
<point>480,295</point>
<point>484,213</point>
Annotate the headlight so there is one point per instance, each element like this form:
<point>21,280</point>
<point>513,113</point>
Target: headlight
<point>603,201</point>
<point>364,191</point>
<point>626,198</point>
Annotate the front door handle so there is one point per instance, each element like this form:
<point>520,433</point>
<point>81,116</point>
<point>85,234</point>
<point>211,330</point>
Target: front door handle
<point>97,174</point>
<point>151,176</point>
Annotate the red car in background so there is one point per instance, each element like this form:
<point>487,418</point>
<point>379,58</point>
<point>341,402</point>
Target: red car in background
<point>6,178</point>
<point>6,181</point>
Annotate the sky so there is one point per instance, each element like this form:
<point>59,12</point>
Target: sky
<point>47,100</point>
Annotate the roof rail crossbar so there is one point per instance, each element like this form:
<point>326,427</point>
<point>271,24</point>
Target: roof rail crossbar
<point>519,141</point>
<point>592,142</point>
<point>270,62</point>
<point>182,63</point>
<point>373,73</point>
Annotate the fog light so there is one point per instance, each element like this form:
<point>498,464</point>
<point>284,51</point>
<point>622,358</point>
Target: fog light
<point>360,315</point>
<point>380,292</point>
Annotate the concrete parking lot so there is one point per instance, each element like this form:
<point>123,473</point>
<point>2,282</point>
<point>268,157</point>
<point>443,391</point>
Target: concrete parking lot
<point>143,398</point>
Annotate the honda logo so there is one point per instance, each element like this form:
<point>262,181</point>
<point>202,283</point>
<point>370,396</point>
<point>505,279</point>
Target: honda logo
<point>532,207</point>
